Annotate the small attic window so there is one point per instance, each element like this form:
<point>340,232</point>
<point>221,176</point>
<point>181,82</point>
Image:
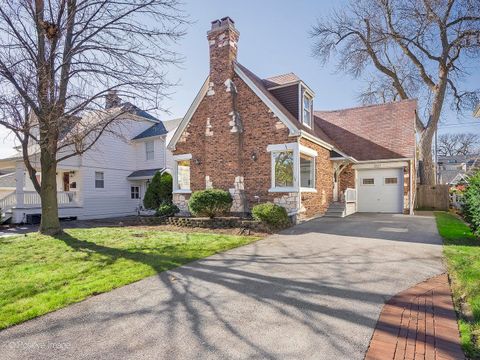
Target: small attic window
<point>307,110</point>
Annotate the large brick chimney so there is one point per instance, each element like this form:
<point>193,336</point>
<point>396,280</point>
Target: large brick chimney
<point>222,39</point>
<point>223,130</point>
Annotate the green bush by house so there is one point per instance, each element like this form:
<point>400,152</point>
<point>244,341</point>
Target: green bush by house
<point>167,209</point>
<point>274,215</point>
<point>471,205</point>
<point>159,191</point>
<point>211,203</point>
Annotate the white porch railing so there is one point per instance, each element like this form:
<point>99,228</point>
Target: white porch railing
<point>8,202</point>
<point>32,198</point>
<point>350,195</point>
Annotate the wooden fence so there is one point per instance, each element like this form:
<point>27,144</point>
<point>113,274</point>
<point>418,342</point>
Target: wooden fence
<point>432,197</point>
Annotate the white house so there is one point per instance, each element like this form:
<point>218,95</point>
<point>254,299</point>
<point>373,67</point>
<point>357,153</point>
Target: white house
<point>108,180</point>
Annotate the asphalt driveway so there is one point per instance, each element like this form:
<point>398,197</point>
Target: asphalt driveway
<point>313,292</point>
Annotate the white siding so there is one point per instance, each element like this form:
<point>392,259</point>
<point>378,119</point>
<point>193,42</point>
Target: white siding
<point>158,160</point>
<point>116,157</point>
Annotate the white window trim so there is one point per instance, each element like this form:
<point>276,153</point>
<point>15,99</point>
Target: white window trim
<point>296,169</point>
<point>176,159</point>
<point>314,154</point>
<point>131,193</point>
<point>297,149</point>
<point>308,96</point>
<point>147,152</point>
<point>95,180</point>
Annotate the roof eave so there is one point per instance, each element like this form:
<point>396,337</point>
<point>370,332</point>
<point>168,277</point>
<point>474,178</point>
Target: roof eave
<point>148,137</point>
<point>186,119</point>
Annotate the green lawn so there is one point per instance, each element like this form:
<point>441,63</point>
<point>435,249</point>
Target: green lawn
<point>462,252</point>
<point>39,274</point>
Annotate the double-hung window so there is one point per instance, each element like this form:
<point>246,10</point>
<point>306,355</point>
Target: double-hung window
<point>135,192</point>
<point>99,180</point>
<point>150,150</point>
<point>307,110</point>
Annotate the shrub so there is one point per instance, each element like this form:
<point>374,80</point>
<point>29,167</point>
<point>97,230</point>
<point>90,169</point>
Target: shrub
<point>210,203</point>
<point>167,209</point>
<point>274,215</point>
<point>159,191</point>
<point>471,203</point>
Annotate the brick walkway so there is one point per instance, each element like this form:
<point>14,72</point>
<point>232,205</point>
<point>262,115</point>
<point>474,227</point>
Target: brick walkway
<point>418,323</point>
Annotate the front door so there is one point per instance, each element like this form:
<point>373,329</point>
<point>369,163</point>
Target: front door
<point>66,181</point>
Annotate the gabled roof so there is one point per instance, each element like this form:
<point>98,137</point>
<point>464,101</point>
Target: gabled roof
<point>281,80</point>
<point>375,132</point>
<point>135,110</point>
<point>154,130</point>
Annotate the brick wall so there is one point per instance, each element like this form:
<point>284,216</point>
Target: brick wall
<point>347,179</point>
<point>317,203</point>
<point>232,159</point>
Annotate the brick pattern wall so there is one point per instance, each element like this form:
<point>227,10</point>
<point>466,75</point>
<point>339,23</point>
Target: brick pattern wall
<point>223,156</point>
<point>317,203</point>
<point>347,179</point>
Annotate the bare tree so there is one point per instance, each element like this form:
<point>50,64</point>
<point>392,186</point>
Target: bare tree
<point>407,49</point>
<point>58,60</point>
<point>458,144</point>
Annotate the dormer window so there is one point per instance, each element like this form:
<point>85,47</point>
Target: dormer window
<point>307,110</point>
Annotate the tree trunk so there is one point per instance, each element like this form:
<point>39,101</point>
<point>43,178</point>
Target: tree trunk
<point>50,224</point>
<point>427,171</point>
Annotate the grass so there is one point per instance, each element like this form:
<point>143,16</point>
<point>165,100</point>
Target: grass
<point>39,274</point>
<point>462,253</point>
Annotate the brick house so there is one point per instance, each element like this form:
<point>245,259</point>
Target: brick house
<point>261,140</point>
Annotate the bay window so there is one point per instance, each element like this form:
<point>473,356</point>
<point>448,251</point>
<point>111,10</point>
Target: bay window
<point>293,168</point>
<point>307,171</point>
<point>283,169</point>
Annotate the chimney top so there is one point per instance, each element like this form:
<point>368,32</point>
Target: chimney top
<point>222,23</point>
<point>112,99</point>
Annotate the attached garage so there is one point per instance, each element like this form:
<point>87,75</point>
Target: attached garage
<point>380,190</point>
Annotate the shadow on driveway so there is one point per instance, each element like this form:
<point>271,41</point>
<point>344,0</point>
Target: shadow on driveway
<point>312,292</point>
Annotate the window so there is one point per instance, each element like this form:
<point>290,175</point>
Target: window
<point>183,174</point>
<point>307,171</point>
<point>135,192</point>
<point>391,181</point>
<point>283,168</point>
<point>368,181</point>
<point>150,150</point>
<point>307,110</point>
<point>99,180</point>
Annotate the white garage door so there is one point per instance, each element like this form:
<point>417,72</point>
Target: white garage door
<point>380,190</point>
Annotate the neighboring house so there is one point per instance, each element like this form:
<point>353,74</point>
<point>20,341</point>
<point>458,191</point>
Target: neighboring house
<point>109,180</point>
<point>261,140</point>
<point>454,170</point>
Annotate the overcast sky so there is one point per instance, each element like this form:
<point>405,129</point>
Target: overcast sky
<point>274,39</point>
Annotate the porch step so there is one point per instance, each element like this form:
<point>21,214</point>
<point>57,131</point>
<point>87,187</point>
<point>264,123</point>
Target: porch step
<point>336,209</point>
<point>5,217</point>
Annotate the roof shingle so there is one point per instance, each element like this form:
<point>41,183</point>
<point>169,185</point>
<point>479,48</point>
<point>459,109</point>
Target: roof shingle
<point>375,132</point>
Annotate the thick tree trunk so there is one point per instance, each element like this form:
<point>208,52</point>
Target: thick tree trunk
<point>427,170</point>
<point>50,224</point>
